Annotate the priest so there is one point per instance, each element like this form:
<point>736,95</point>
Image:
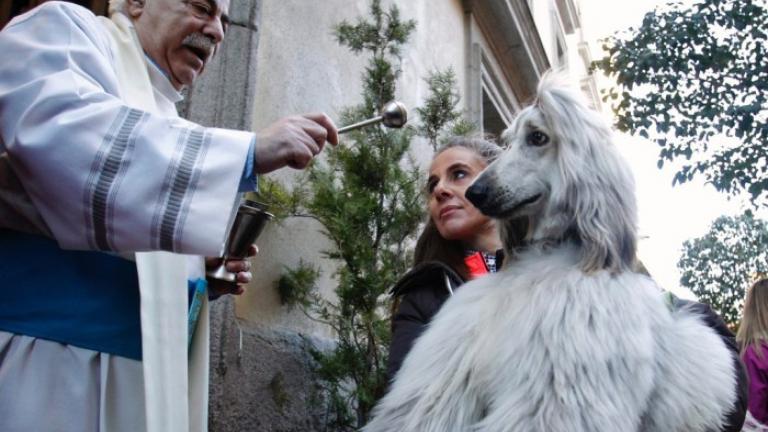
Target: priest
<point>109,203</point>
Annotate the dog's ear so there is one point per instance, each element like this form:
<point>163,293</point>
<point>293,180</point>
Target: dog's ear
<point>604,225</point>
<point>597,188</point>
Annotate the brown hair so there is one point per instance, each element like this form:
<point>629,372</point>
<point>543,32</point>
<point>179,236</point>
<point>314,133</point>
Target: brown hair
<point>431,246</point>
<point>754,322</point>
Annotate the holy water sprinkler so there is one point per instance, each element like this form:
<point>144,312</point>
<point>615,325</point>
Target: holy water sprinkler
<point>393,115</point>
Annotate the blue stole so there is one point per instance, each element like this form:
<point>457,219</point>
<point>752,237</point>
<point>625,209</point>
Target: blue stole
<point>82,298</point>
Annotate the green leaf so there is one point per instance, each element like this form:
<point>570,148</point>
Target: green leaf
<point>701,70</point>
<point>721,264</point>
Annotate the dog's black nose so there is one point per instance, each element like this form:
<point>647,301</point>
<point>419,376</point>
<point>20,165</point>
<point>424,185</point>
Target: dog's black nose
<point>477,194</point>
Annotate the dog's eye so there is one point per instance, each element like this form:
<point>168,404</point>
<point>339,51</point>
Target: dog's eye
<point>537,138</point>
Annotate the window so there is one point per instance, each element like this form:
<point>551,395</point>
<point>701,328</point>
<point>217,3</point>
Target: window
<point>490,100</point>
<point>505,59</point>
<point>498,105</point>
<point>493,122</point>
<point>561,60</point>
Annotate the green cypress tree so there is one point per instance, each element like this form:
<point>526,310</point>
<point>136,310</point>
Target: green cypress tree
<point>367,199</point>
<point>439,112</point>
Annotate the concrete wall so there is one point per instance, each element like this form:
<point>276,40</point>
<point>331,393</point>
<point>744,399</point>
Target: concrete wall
<point>303,69</point>
<point>261,377</point>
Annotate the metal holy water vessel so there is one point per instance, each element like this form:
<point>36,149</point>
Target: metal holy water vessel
<point>250,220</point>
<point>393,115</point>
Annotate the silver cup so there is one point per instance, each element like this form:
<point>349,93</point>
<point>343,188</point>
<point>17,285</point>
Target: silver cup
<point>249,222</point>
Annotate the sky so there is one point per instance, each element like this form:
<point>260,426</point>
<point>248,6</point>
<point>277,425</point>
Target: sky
<point>667,215</point>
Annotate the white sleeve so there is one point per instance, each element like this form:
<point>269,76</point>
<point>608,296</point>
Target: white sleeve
<point>102,174</point>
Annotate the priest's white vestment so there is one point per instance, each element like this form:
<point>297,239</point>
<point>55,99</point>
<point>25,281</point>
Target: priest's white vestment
<point>94,155</point>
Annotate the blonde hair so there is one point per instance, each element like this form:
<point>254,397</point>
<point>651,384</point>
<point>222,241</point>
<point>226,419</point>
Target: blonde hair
<point>754,322</point>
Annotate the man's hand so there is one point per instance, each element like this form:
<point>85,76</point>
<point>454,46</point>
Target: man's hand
<point>293,141</point>
<point>241,267</point>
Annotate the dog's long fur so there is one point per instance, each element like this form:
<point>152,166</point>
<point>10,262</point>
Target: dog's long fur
<point>566,337</point>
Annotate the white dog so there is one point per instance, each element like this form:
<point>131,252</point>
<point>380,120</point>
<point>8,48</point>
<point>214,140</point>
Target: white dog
<point>566,338</point>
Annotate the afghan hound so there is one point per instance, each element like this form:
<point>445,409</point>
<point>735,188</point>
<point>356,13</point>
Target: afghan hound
<point>566,337</point>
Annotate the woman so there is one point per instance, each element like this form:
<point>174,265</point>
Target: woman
<point>458,243</point>
<point>753,340</point>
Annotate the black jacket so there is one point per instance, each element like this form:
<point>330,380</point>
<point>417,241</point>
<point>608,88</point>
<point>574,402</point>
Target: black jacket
<point>422,291</point>
<point>425,288</point>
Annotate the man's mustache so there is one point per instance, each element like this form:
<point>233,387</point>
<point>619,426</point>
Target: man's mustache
<point>200,42</point>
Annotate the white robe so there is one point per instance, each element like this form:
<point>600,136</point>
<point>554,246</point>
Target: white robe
<point>103,174</point>
<point>106,164</point>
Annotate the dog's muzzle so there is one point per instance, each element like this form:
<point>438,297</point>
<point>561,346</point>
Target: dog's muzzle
<point>478,193</point>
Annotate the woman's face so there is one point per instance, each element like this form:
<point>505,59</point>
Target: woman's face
<point>452,171</point>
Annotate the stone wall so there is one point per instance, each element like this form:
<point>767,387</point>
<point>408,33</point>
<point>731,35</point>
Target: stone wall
<point>261,378</point>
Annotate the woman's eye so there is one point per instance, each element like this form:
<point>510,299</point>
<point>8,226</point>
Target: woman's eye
<point>459,174</point>
<point>431,186</point>
<point>537,138</point>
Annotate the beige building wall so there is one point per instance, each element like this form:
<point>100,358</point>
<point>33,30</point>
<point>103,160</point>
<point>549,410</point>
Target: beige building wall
<point>301,68</point>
